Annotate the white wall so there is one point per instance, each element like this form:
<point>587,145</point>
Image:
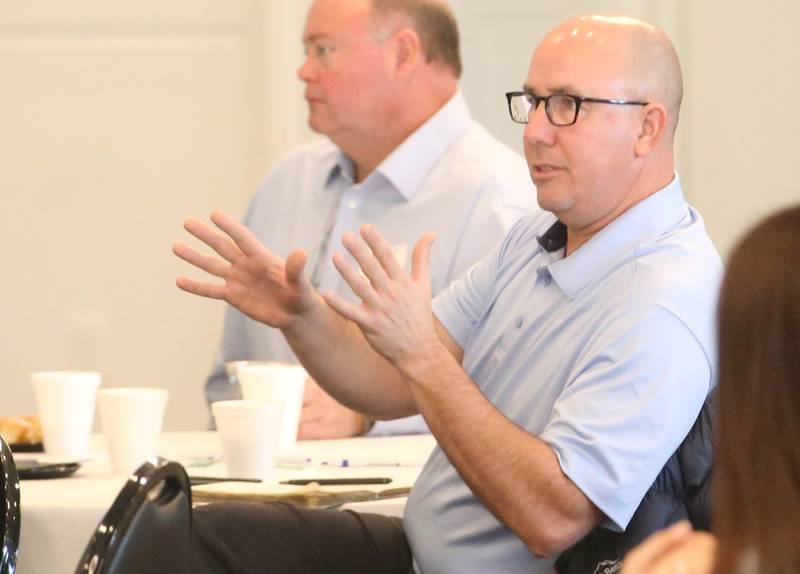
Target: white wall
<point>117,120</point>
<point>742,64</point>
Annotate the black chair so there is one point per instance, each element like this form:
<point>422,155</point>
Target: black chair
<point>147,528</point>
<point>9,518</point>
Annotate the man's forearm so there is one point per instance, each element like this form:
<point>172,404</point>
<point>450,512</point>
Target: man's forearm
<point>338,357</point>
<point>516,475</point>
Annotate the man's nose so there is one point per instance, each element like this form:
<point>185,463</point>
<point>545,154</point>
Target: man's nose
<point>306,70</point>
<point>539,129</point>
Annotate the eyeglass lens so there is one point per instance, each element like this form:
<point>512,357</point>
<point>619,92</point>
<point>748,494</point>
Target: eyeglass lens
<point>561,109</point>
<point>520,107</point>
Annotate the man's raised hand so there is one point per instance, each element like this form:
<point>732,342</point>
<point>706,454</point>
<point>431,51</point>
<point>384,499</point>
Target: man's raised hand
<point>395,312</point>
<point>256,281</point>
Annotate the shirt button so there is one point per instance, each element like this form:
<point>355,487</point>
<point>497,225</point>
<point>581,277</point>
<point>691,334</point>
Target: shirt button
<point>519,322</point>
<point>352,204</point>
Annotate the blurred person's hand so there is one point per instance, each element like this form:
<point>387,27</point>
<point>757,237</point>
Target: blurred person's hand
<point>675,550</point>
<point>323,417</point>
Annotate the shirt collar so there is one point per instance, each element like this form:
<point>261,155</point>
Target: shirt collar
<point>554,238</point>
<point>651,217</point>
<point>339,166</point>
<point>408,165</point>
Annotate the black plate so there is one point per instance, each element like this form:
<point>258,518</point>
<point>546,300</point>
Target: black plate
<point>27,447</point>
<point>34,470</point>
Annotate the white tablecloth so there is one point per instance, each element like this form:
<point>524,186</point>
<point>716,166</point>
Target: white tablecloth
<point>60,515</point>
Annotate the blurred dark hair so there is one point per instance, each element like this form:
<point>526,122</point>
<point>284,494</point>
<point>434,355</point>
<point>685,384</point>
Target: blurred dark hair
<point>757,468</point>
<point>433,22</point>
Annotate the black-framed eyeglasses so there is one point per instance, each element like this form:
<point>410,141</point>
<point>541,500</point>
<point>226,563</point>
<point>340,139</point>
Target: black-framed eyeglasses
<point>561,109</point>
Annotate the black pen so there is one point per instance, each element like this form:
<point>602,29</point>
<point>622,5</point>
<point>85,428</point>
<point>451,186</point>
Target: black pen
<point>335,481</point>
<point>199,480</point>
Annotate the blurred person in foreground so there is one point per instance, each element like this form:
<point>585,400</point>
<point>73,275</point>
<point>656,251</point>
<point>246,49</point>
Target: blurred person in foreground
<point>557,375</point>
<point>401,152</point>
<point>756,484</point>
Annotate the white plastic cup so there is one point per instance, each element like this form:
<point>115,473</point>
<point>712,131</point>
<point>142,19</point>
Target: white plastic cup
<point>65,404</point>
<point>250,432</point>
<point>276,382</point>
<point>131,419</point>
<point>230,371</point>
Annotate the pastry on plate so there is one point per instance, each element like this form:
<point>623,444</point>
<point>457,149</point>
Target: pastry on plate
<point>21,430</point>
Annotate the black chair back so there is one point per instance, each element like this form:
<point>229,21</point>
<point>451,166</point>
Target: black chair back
<point>9,517</point>
<point>147,528</point>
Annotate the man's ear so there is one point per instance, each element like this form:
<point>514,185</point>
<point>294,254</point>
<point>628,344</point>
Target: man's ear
<point>407,51</point>
<point>652,128</point>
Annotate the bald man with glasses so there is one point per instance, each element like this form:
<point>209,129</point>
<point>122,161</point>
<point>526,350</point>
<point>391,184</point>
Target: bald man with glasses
<point>559,374</point>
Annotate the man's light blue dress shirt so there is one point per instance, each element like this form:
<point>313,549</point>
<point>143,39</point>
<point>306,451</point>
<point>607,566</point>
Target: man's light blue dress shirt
<point>449,177</point>
<point>606,355</point>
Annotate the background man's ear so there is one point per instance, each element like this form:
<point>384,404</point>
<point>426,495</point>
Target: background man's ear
<point>408,50</point>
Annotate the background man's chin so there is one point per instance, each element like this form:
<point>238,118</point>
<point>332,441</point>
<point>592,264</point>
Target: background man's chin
<point>316,126</point>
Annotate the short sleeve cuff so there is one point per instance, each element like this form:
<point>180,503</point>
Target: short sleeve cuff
<point>618,513</point>
<point>408,425</point>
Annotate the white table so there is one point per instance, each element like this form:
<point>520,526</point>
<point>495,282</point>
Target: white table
<point>60,515</point>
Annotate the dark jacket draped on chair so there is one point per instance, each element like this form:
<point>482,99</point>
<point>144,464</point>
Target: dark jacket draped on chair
<point>681,491</point>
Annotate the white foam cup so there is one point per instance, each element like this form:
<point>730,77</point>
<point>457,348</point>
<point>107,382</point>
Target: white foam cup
<point>250,433</point>
<point>131,419</point>
<point>230,371</point>
<point>276,382</point>
<point>65,403</point>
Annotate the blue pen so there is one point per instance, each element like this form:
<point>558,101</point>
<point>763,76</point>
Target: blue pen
<point>354,463</point>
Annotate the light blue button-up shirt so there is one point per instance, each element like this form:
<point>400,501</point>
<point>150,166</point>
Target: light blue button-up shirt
<point>606,355</point>
<point>450,176</point>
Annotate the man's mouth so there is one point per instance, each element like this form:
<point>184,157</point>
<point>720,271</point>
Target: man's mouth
<point>545,170</point>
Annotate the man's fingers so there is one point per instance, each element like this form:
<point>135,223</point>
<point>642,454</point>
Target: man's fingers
<point>382,250</point>
<point>310,413</point>
<point>346,309</point>
<point>241,235</point>
<point>202,289</point>
<point>369,264</point>
<point>420,259</point>
<point>207,263</point>
<point>360,285</point>
<point>642,557</point>
<point>215,240</point>
<point>311,430</point>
